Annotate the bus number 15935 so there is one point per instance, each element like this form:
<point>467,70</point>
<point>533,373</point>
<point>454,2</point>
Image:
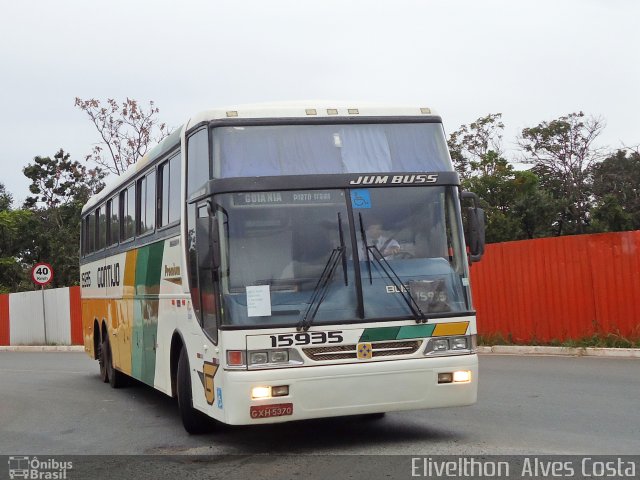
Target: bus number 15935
<point>305,338</point>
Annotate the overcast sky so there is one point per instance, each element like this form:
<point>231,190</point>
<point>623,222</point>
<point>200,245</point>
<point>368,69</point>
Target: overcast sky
<point>529,60</point>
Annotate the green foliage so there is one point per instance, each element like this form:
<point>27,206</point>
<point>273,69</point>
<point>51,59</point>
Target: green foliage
<point>60,181</point>
<point>469,145</point>
<point>47,228</point>
<point>616,189</point>
<point>6,199</point>
<point>515,206</point>
<point>608,340</point>
<point>568,189</point>
<point>14,230</point>
<point>60,187</point>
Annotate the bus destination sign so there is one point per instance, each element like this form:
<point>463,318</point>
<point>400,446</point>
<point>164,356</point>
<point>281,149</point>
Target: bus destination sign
<point>309,197</point>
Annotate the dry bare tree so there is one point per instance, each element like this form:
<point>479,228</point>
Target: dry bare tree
<point>127,131</point>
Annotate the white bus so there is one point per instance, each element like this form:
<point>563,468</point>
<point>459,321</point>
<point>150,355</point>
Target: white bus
<point>284,262</point>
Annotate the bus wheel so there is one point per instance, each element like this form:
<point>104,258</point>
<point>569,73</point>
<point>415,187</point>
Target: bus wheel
<point>102,360</point>
<point>117,379</point>
<point>193,420</point>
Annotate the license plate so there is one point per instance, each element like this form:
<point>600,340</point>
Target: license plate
<point>277,410</point>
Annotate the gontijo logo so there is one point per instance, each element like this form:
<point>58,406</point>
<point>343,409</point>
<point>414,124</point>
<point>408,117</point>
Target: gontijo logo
<point>32,468</point>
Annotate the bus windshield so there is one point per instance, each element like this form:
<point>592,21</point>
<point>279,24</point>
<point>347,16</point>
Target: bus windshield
<point>272,150</point>
<point>277,245</point>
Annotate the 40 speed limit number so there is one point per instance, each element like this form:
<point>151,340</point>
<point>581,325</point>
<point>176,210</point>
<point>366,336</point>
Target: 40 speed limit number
<point>42,273</point>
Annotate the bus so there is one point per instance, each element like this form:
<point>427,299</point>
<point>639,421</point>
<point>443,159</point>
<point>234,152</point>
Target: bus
<point>271,263</point>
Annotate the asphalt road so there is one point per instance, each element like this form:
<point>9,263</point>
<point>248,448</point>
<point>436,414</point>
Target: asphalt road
<point>55,404</point>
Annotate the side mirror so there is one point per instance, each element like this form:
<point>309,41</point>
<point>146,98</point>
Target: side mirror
<point>207,236</point>
<point>475,227</point>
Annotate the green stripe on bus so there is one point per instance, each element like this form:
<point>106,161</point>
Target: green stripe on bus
<point>415,331</point>
<point>396,333</point>
<point>145,323</point>
<point>379,334</point>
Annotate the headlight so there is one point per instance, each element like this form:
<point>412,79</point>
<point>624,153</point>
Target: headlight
<point>278,356</point>
<point>462,345</point>
<point>440,345</point>
<point>263,359</point>
<point>257,358</point>
<point>459,343</point>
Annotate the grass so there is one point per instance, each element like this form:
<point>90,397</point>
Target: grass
<point>609,340</point>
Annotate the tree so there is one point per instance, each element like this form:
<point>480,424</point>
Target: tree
<point>6,199</point>
<point>59,181</point>
<point>60,187</point>
<point>126,130</point>
<point>562,152</point>
<point>13,231</point>
<point>616,192</point>
<point>516,207</point>
<point>470,144</point>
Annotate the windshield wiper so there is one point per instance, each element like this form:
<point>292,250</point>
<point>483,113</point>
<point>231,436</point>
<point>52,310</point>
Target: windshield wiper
<point>398,284</point>
<point>344,257</point>
<point>321,289</point>
<point>366,247</point>
<point>411,302</point>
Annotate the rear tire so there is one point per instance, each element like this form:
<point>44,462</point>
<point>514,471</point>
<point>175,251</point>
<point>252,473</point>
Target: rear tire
<point>194,421</point>
<point>102,360</point>
<point>117,379</point>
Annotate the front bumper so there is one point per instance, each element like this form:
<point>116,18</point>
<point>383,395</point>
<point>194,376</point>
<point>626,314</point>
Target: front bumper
<point>352,389</point>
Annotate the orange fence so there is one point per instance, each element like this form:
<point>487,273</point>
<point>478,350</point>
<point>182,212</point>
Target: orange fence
<point>559,288</point>
<point>534,290</point>
<point>75,311</point>
<point>4,320</point>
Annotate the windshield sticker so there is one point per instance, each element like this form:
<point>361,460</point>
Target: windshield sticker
<point>360,198</point>
<point>258,301</point>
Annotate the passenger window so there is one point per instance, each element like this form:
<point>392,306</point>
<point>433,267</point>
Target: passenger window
<point>128,213</point>
<point>113,214</point>
<point>101,233</point>
<point>198,161</point>
<point>170,194</point>
<point>147,203</point>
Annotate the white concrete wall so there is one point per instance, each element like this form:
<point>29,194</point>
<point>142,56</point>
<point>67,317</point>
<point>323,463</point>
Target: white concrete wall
<point>26,317</point>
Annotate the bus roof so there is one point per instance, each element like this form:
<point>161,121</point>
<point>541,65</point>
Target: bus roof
<point>310,109</point>
<point>296,109</point>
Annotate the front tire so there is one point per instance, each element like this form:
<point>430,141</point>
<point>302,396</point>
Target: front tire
<point>194,421</point>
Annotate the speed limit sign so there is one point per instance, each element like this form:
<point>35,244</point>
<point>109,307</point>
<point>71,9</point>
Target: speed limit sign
<point>42,273</point>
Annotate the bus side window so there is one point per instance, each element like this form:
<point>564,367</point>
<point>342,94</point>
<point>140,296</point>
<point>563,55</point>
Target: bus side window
<point>113,222</point>
<point>91,233</point>
<point>147,203</point>
<point>127,213</point>
<point>198,161</point>
<point>169,184</point>
<point>101,228</point>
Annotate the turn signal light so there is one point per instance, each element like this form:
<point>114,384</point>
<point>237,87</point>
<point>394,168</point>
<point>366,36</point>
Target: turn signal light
<point>235,358</point>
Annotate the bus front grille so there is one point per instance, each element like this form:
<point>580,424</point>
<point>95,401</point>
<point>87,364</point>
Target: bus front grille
<point>380,349</point>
